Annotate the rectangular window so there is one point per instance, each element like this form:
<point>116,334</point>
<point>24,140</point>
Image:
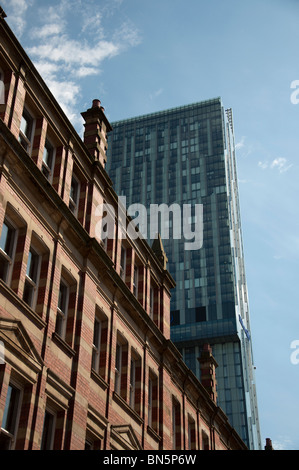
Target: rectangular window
<point>135,382</point>
<point>7,245</point>
<point>151,303</point>
<point>62,309</point>
<point>10,419</point>
<point>176,425</point>
<point>123,263</point>
<point>32,275</point>
<point>153,402</point>
<point>96,350</point>
<point>132,382</point>
<point>48,431</point>
<point>26,130</point>
<point>48,160</point>
<point>205,441</point>
<point>150,402</point>
<point>74,195</point>
<point>135,281</point>
<point>200,314</point>
<point>118,361</point>
<point>191,434</point>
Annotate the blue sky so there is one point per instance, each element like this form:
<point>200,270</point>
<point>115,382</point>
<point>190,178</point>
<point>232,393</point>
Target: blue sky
<point>139,57</point>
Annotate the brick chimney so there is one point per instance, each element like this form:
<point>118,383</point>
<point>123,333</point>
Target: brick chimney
<point>95,133</point>
<point>208,367</point>
<point>268,445</point>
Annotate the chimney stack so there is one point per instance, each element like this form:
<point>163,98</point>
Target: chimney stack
<point>208,367</point>
<point>268,445</point>
<point>95,133</point>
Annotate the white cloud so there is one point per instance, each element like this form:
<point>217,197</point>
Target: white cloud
<point>240,144</point>
<point>263,165</point>
<point>85,71</point>
<point>47,30</point>
<point>283,443</point>
<point>127,35</point>
<point>73,52</point>
<point>16,10</point>
<point>280,164</point>
<point>70,42</point>
<point>47,70</point>
<point>93,23</point>
<point>242,148</point>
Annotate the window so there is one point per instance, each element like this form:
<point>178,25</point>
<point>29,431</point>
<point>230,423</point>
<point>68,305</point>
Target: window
<point>123,263</point>
<point>92,441</point>
<point>191,433</point>
<point>48,431</point>
<point>7,246</point>
<point>205,441</point>
<point>153,401</point>
<point>150,402</point>
<point>151,310</point>
<point>10,418</point>
<point>62,309</point>
<point>121,368</point>
<point>88,445</point>
<point>96,350</point>
<point>2,88</point>
<point>32,275</point>
<point>176,425</point>
<point>100,346</point>
<point>201,314</point>
<point>132,382</point>
<point>74,195</point>
<point>135,382</point>
<point>48,160</point>
<point>26,130</point>
<point>118,361</point>
<point>135,281</point>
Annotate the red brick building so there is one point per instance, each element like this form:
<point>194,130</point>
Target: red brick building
<point>84,323</point>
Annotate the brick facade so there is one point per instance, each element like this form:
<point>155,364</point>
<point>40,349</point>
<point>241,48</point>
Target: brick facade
<point>88,357</point>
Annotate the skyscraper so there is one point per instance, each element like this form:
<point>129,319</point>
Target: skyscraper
<point>186,156</point>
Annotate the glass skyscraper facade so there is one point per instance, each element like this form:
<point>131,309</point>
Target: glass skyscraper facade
<point>186,155</point>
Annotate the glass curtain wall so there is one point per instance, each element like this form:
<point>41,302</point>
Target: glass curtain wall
<point>183,156</point>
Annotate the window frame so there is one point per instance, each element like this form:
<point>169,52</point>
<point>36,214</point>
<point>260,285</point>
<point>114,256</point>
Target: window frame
<point>62,313</point>
<point>150,401</point>
<point>132,385</point>
<point>74,203</point>
<point>33,284</point>
<point>96,346</point>
<point>118,366</point>
<point>45,166</point>
<point>9,257</point>
<point>12,434</point>
<point>151,302</point>
<point>25,139</point>
<point>2,87</point>
<point>123,262</point>
<point>49,442</point>
<point>135,281</point>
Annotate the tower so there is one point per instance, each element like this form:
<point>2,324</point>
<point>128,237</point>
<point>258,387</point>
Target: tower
<point>186,156</point>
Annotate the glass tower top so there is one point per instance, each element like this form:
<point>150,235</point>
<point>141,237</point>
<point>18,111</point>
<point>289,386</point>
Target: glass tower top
<point>182,156</point>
